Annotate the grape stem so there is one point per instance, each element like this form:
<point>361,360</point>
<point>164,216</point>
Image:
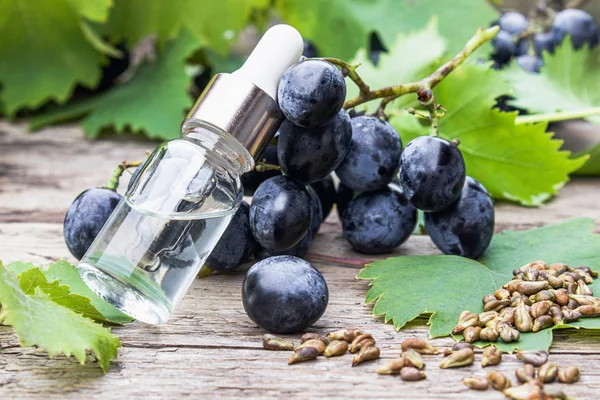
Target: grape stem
<point>113,182</point>
<point>390,93</point>
<point>434,111</point>
<point>558,116</point>
<point>262,167</point>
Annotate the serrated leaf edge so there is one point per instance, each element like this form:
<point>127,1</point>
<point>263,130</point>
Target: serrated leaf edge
<point>80,356</point>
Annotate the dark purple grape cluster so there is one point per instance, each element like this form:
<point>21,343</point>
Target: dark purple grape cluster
<point>526,40</point>
<point>459,213</point>
<point>381,185</point>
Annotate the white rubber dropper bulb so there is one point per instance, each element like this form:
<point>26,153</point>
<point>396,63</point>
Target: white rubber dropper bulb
<point>280,47</point>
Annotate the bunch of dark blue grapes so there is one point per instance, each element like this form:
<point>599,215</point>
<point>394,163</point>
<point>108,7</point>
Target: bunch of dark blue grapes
<point>526,40</point>
<point>380,185</point>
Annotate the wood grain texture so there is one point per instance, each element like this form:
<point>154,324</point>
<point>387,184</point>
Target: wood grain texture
<point>210,348</point>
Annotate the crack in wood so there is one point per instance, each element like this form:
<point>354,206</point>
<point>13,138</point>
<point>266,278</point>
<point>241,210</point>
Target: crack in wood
<point>189,346</point>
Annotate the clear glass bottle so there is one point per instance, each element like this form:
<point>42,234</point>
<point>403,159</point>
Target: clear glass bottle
<point>154,243</point>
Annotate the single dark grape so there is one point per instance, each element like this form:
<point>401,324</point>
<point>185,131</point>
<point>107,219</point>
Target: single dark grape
<point>374,156</point>
<point>378,222</point>
<point>310,50</point>
<point>280,213</point>
<point>467,226</point>
<point>376,47</point>
<point>311,92</point>
<point>543,42</point>
<point>343,196</point>
<point>299,250</point>
<point>513,23</point>
<point>310,154</point>
<point>432,173</point>
<point>504,47</point>
<point>86,216</point>
<point>317,211</point>
<point>325,189</point>
<point>580,25</point>
<point>531,64</point>
<point>284,294</point>
<point>236,245</point>
<point>251,179</point>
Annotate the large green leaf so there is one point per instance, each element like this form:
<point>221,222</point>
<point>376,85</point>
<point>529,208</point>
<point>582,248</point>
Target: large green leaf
<point>214,23</point>
<point>402,288</point>
<point>66,275</point>
<point>425,47</point>
<point>44,51</point>
<point>34,278</point>
<point>405,287</point>
<point>521,163</point>
<point>568,81</point>
<point>152,102</point>
<point>39,321</point>
<point>340,27</point>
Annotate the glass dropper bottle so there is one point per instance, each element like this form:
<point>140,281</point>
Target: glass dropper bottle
<point>149,251</point>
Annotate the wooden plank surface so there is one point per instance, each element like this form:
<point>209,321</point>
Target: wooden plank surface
<point>210,348</point>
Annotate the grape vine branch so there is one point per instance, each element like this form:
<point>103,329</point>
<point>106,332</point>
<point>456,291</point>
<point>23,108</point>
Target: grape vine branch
<point>390,93</point>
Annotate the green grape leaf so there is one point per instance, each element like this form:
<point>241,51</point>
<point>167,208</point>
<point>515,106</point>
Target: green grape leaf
<point>34,278</point>
<point>403,288</point>
<point>521,163</point>
<point>66,275</point>
<point>39,321</point>
<point>392,68</point>
<point>568,81</point>
<point>44,50</point>
<point>152,102</point>
<point>214,24</point>
<point>340,27</point>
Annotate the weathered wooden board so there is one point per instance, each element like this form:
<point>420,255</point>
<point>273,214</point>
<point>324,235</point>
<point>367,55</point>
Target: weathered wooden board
<point>210,348</point>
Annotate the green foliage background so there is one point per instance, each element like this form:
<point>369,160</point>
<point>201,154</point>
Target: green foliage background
<point>49,49</point>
